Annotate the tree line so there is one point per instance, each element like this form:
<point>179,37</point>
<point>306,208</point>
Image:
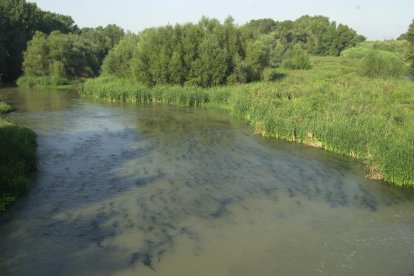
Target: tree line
<point>22,21</point>
<point>204,54</point>
<point>212,53</point>
<point>19,20</point>
<point>72,55</point>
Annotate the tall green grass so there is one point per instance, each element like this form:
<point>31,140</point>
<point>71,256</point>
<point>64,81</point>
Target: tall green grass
<point>395,46</point>
<point>45,81</point>
<point>376,63</point>
<point>329,106</point>
<point>17,158</point>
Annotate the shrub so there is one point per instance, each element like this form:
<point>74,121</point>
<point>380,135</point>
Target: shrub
<point>356,52</point>
<point>382,64</point>
<point>45,81</point>
<point>296,58</point>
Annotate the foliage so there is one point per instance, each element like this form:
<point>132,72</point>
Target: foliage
<point>318,34</point>
<point>118,60</point>
<point>395,46</point>
<point>193,54</point>
<point>43,81</point>
<point>297,58</point>
<point>328,106</point>
<point>383,64</point>
<point>4,108</point>
<point>58,57</point>
<point>356,52</point>
<point>17,158</point>
<point>212,53</point>
<point>19,20</point>
<point>100,40</point>
<point>409,36</point>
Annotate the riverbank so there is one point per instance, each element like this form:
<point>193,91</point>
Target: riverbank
<point>329,106</point>
<point>17,158</point>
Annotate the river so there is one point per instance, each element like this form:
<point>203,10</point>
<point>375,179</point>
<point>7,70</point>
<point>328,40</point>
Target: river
<point>152,189</point>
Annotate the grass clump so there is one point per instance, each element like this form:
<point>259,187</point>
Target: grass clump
<point>17,158</point>
<point>329,106</point>
<point>44,81</point>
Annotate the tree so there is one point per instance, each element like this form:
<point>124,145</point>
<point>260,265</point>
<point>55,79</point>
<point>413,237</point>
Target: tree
<point>118,60</point>
<point>210,69</point>
<point>101,40</point>
<point>58,55</point>
<point>35,58</point>
<point>19,20</point>
<point>257,56</point>
<point>297,58</point>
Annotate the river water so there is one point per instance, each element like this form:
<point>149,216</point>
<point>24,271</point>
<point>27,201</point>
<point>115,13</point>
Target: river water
<point>135,189</point>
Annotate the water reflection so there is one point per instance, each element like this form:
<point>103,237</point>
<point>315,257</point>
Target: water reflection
<point>161,190</point>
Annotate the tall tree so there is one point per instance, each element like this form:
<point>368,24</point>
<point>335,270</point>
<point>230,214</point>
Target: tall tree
<point>19,20</point>
<point>118,60</point>
<point>101,40</point>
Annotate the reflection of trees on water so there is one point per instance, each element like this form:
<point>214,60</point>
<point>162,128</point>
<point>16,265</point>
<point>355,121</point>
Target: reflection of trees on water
<point>33,100</point>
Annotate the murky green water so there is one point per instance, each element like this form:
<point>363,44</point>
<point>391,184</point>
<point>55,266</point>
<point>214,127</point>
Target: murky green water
<point>164,190</point>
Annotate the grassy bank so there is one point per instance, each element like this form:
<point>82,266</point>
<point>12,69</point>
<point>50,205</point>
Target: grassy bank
<point>17,158</point>
<point>329,106</point>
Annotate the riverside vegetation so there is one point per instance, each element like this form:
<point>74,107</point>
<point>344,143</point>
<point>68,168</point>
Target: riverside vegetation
<point>17,158</point>
<point>360,104</point>
<point>329,106</point>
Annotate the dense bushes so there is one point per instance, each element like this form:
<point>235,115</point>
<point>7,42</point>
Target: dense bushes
<point>19,20</point>
<point>317,34</point>
<point>356,52</point>
<point>395,46</point>
<point>377,63</point>
<point>57,58</point>
<point>382,64</point>
<point>206,54</point>
<point>297,58</point>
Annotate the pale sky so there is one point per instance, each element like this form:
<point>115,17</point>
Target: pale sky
<point>375,19</point>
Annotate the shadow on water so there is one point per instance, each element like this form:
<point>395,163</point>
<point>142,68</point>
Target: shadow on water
<point>126,187</point>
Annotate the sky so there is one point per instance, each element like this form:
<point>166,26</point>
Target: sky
<point>375,19</point>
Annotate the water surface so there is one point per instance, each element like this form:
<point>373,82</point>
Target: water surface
<point>133,189</point>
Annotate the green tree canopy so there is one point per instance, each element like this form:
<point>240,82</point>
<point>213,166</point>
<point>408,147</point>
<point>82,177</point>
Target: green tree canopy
<point>58,55</point>
<point>19,20</point>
